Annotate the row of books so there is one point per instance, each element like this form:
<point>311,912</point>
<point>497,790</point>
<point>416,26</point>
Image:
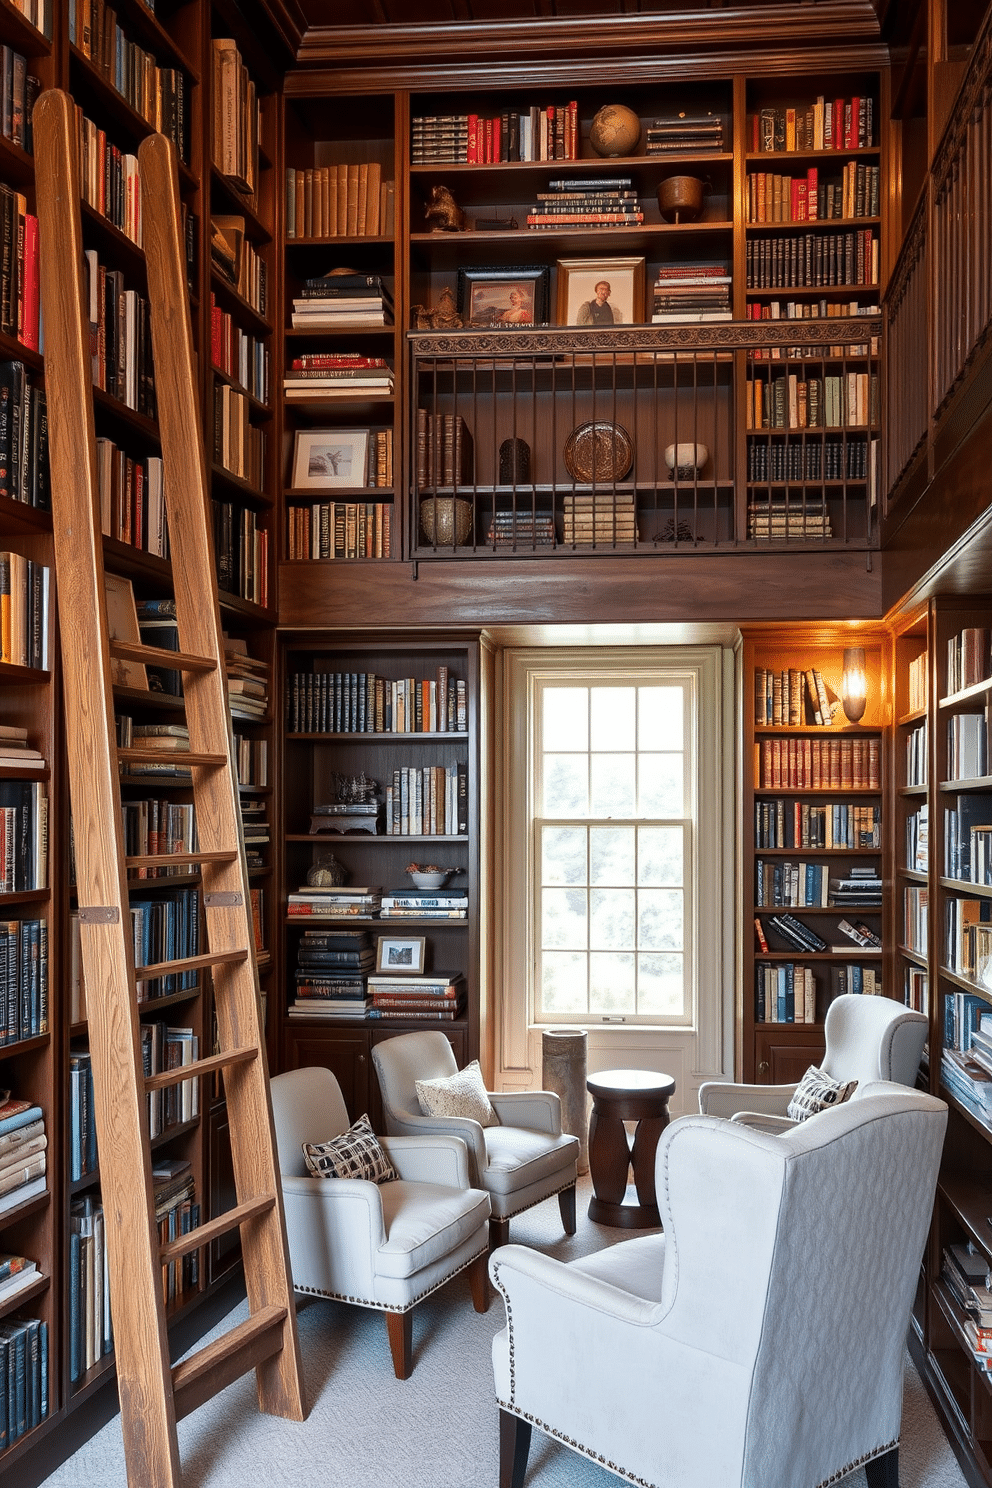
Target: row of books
<point>916,916</point>
<point>917,686</point>
<point>793,696</point>
<point>813,460</point>
<point>38,13</point>
<point>785,520</point>
<point>811,310</point>
<point>966,827</point>
<point>916,755</point>
<point>154,827</point>
<point>251,760</point>
<point>542,132</point>
<point>25,611</point>
<point>23,1377</point>
<point>598,518</point>
<point>968,658</point>
<point>916,989</point>
<point>918,839</point>
<point>826,124</point>
<point>238,262</point>
<point>108,179</point>
<point>235,117</point>
<point>241,547</point>
<point>24,983</point>
<point>239,355</point>
<point>967,746</point>
<point>19,90</point>
<point>365,703</point>
<point>837,401</point>
<point>775,198</point>
<point>23,835</point>
<point>165,929</point>
<point>341,200</point>
<point>798,824</point>
<point>20,304</point>
<point>239,445</point>
<point>120,337</point>
<point>812,260</point>
<point>24,466</point>
<point>339,529</point>
<point>684,135</point>
<point>132,498</point>
<point>159,94</point>
<point>841,762</point>
<point>968,938</point>
<point>23,1164</point>
<point>169,1048</point>
<point>530,529</point>
<point>606,202</point>
<point>784,994</point>
<point>796,885</point>
<point>90,1330</point>
<point>444,450</point>
<point>427,801</point>
<point>82,1119</point>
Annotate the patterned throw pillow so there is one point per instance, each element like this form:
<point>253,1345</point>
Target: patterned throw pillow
<point>816,1091</point>
<point>462,1094</point>
<point>356,1153</point>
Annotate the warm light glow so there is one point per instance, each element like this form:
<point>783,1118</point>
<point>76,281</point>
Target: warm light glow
<point>854,687</point>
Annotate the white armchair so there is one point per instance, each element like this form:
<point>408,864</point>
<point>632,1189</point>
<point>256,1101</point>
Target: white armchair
<point>867,1039</point>
<point>757,1343</point>
<point>387,1245</point>
<point>525,1159</point>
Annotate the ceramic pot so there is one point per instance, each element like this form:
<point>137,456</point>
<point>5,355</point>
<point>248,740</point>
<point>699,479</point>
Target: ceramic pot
<point>680,198</point>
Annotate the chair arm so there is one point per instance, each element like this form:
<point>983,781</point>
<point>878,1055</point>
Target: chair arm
<point>335,1227</point>
<point>537,1110</point>
<point>761,1121</point>
<point>516,1270</point>
<point>470,1132</point>
<point>429,1159</point>
<point>722,1098</point>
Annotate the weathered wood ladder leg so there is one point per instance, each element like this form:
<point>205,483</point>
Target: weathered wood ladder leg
<point>154,1395</point>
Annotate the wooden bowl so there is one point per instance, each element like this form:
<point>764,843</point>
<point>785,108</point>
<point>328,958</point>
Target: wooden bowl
<point>680,198</point>
<point>445,521</point>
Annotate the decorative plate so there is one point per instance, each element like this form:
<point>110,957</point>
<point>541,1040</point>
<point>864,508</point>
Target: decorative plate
<point>598,451</point>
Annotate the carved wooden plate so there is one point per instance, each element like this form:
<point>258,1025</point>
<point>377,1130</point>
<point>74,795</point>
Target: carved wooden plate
<point>598,451</point>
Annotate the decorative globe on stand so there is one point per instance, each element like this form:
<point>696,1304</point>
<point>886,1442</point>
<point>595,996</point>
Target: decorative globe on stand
<point>616,130</point>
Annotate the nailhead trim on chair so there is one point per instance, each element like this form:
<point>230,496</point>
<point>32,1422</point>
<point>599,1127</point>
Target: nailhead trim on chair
<point>381,1306</point>
<point>858,1462</point>
<point>530,1204</point>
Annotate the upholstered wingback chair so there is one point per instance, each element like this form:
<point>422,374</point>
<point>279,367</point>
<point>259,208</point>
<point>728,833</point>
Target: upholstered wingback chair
<point>758,1342</point>
<point>867,1039</point>
<point>520,1161</point>
<point>380,1245</point>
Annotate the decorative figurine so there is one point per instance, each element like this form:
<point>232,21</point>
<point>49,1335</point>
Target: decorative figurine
<point>443,212</point>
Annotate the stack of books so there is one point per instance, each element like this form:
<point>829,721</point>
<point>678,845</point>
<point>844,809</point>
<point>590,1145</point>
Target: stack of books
<point>168,741</point>
<point>691,292</point>
<point>862,934</point>
<point>334,904</point>
<point>445,450</point>
<point>247,679</point>
<point>331,967</point>
<point>16,1273</point>
<point>425,904</point>
<point>425,998</point>
<point>608,202</point>
<point>347,376</point>
<point>799,935</point>
<point>22,1152</point>
<point>684,136</point>
<point>965,1270</point>
<point>598,518</point>
<point>531,529</point>
<point>439,139</point>
<point>862,886</point>
<point>331,300</point>
<point>784,519</point>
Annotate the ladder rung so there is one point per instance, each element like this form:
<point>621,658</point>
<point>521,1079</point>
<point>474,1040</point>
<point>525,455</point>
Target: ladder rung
<point>176,661</point>
<point>199,1067</point>
<point>188,963</point>
<point>155,860</point>
<point>179,759</point>
<point>203,1375</point>
<point>223,1224</point>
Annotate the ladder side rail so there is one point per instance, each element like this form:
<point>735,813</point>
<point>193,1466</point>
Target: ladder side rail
<point>140,1336</point>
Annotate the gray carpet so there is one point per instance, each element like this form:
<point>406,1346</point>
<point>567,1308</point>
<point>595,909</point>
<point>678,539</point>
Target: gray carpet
<point>438,1429</point>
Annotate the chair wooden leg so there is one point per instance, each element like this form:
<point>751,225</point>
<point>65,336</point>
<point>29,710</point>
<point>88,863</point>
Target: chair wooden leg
<point>883,1472</point>
<point>566,1206</point>
<point>499,1233</point>
<point>399,1326</point>
<point>514,1444</point>
<point>478,1278</point>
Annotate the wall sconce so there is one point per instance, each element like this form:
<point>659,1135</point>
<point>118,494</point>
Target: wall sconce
<point>854,688</point>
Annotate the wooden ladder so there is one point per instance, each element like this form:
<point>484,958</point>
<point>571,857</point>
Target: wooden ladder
<point>154,1395</point>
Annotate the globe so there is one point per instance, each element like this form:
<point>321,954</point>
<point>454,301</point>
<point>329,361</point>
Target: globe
<point>616,130</point>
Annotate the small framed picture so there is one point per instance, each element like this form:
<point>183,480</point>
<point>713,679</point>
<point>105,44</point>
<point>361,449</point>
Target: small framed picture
<point>403,955</point>
<point>330,457</point>
<point>600,291</point>
<point>504,296</point>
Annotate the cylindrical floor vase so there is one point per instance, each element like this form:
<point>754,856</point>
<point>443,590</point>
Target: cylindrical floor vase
<point>563,1053</point>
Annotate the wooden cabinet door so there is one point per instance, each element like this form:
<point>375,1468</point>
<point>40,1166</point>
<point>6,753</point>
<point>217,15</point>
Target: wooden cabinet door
<point>345,1052</point>
<point>783,1060</point>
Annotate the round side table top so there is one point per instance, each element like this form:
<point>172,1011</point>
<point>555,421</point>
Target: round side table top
<point>631,1082</point>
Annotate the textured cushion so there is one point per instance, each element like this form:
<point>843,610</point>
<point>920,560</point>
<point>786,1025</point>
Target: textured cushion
<point>356,1153</point>
<point>816,1091</point>
<point>461,1094</point>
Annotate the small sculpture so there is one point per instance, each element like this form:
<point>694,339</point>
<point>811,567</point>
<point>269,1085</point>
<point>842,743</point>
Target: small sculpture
<point>356,790</point>
<point>443,212</point>
<point>444,316</point>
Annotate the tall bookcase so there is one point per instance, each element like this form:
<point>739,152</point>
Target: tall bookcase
<point>812,828</point>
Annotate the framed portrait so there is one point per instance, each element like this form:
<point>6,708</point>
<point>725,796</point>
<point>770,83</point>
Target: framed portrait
<point>402,954</point>
<point>600,291</point>
<point>330,457</point>
<point>504,296</point>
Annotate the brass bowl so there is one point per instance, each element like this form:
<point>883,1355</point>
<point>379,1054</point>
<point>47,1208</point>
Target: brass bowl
<point>445,521</point>
<point>680,198</point>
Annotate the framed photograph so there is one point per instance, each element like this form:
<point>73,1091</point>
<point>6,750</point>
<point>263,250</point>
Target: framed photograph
<point>504,296</point>
<point>600,291</point>
<point>330,457</point>
<point>402,954</point>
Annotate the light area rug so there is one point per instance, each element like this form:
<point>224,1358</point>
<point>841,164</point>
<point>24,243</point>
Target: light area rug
<point>366,1429</point>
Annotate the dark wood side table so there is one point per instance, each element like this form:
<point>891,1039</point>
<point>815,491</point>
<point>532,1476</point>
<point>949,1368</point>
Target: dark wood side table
<point>618,1096</point>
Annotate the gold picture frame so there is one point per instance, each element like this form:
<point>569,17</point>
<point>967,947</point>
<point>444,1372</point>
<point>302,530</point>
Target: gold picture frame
<point>576,289</point>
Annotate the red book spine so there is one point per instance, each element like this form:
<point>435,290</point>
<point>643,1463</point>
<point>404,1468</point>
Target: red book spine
<point>473,139</point>
<point>813,193</point>
<point>216,318</point>
<point>29,333</point>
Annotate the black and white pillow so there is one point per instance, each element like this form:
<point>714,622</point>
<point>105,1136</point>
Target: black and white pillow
<point>356,1153</point>
<point>817,1091</point>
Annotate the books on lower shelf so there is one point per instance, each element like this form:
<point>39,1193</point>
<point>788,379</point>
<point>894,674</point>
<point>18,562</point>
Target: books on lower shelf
<point>799,824</point>
<point>438,995</point>
<point>24,1373</point>
<point>785,994</point>
<point>334,903</point>
<point>344,199</point>
<point>339,529</point>
<point>427,800</point>
<point>22,1171</point>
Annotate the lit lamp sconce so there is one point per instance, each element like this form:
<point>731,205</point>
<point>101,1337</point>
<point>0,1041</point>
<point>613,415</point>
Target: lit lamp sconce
<point>854,688</point>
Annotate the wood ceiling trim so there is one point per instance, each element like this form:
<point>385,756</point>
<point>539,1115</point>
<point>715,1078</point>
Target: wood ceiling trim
<point>739,28</point>
<point>425,76</point>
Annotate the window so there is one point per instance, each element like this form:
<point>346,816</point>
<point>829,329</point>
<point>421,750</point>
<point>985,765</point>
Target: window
<point>612,843</point>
